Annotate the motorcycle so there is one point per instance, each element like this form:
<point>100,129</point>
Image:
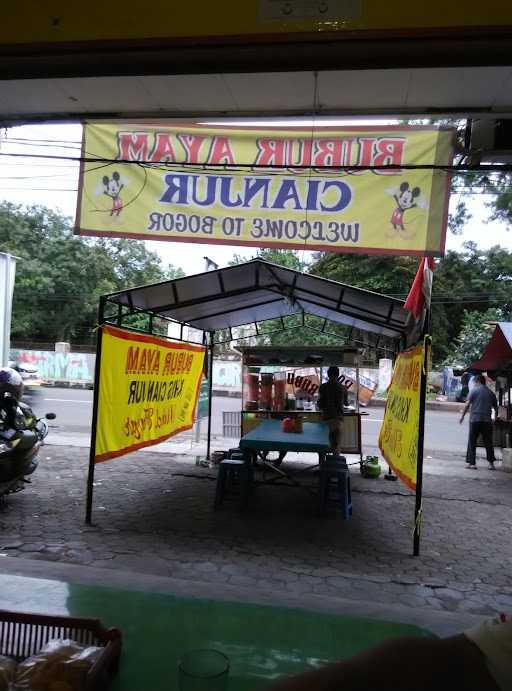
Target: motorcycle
<point>21,437</point>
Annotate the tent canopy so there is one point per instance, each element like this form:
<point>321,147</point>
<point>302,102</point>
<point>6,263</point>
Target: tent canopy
<point>498,352</point>
<point>257,291</point>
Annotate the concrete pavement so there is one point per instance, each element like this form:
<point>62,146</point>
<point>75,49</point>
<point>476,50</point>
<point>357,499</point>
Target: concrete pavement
<point>153,516</point>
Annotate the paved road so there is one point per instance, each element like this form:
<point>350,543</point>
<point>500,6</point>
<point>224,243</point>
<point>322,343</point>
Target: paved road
<point>73,408</point>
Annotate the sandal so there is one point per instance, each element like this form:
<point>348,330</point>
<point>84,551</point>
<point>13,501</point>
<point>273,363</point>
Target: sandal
<point>492,466</point>
<point>471,466</point>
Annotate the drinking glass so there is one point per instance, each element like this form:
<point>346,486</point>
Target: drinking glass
<point>203,670</point>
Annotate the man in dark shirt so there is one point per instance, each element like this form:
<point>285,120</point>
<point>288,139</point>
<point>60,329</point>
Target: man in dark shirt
<point>481,401</point>
<point>331,397</point>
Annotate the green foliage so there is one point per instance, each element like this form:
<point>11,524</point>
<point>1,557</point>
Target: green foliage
<point>59,276</point>
<point>474,335</point>
<point>288,258</point>
<point>388,275</point>
<point>473,280</point>
<point>497,189</point>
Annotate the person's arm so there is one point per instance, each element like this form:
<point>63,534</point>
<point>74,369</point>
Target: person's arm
<point>495,406</point>
<point>466,407</point>
<point>321,402</point>
<point>422,664</point>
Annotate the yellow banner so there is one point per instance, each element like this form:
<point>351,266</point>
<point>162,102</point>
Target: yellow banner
<point>148,391</point>
<point>398,439</point>
<point>286,188</point>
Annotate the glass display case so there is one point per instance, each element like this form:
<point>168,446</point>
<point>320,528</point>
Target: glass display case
<point>284,382</point>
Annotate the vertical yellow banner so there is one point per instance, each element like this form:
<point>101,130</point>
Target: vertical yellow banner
<point>148,391</point>
<point>398,438</point>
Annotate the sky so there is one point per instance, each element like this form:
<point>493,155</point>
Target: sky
<point>53,183</point>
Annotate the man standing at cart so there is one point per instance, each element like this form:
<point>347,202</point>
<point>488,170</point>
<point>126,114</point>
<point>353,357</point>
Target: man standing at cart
<point>331,397</point>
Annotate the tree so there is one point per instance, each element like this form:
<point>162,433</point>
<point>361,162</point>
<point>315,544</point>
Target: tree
<point>288,258</point>
<point>59,276</point>
<point>474,335</point>
<point>473,279</point>
<point>388,275</point>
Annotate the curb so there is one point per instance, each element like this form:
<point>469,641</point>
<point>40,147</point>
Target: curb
<point>449,406</point>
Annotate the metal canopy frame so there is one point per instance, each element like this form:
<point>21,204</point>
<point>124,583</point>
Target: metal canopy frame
<point>216,302</point>
<point>255,292</point>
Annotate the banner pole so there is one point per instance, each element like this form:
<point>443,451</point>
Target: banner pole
<point>210,388</point>
<point>94,425</point>
<point>421,439</point>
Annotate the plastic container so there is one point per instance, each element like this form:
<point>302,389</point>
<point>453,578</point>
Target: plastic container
<point>507,460</point>
<point>266,391</point>
<point>252,382</point>
<point>279,391</point>
<point>203,670</point>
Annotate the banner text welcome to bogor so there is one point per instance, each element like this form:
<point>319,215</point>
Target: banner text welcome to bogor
<point>268,187</point>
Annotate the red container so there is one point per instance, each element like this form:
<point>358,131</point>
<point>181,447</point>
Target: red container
<point>279,394</point>
<point>266,391</point>
<point>252,383</point>
<point>288,425</point>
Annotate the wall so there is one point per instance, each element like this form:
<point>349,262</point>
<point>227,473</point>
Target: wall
<point>79,367</point>
<point>58,367</point>
<point>227,374</point>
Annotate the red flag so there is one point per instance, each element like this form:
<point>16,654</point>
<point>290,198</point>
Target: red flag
<point>421,290</point>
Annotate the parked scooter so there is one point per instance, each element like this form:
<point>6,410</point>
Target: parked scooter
<point>21,434</point>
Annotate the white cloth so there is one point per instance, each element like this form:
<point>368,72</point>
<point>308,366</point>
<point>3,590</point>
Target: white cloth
<point>494,638</point>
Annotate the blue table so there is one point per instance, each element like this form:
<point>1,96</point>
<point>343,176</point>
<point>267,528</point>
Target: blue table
<point>269,436</point>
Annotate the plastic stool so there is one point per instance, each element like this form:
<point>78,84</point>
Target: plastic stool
<point>332,459</point>
<point>231,470</point>
<point>336,477</point>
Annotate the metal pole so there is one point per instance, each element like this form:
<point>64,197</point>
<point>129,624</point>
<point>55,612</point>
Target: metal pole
<point>210,387</point>
<point>96,395</point>
<point>198,430</point>
<point>357,383</point>
<point>389,475</point>
<point>421,438</point>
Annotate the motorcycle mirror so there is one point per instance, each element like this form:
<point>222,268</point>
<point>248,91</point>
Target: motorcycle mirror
<point>50,416</point>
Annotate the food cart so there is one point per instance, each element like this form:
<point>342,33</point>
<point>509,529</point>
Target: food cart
<point>232,303</point>
<point>279,383</point>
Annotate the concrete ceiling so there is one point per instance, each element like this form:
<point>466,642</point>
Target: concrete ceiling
<point>465,91</point>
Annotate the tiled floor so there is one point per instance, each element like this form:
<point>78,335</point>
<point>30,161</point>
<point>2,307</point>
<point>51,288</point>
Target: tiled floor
<point>262,643</point>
